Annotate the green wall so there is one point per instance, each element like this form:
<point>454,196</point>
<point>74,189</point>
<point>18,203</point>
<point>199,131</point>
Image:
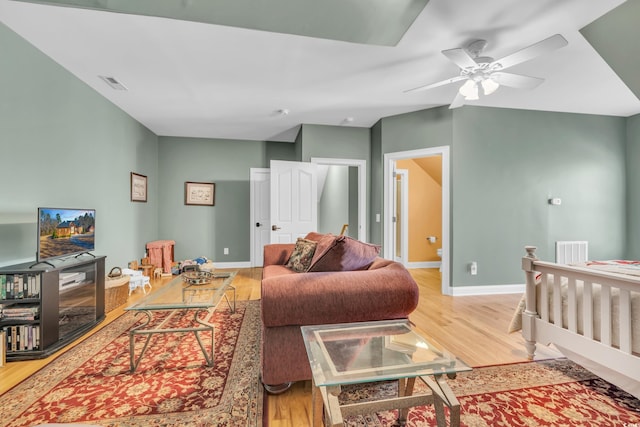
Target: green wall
<point>335,142</point>
<point>505,164</point>
<point>376,192</point>
<point>508,163</point>
<point>206,230</point>
<point>64,145</point>
<point>633,183</point>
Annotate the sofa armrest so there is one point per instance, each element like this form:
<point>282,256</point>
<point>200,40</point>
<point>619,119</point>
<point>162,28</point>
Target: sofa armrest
<point>338,297</point>
<point>277,253</point>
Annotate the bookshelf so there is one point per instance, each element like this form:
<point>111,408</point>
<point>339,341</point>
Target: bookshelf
<point>44,307</point>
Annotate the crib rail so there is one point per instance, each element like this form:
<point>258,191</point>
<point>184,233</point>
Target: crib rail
<point>610,291</point>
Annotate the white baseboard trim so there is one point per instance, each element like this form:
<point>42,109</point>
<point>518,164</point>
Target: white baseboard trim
<point>239,264</point>
<point>486,290</point>
<point>424,264</point>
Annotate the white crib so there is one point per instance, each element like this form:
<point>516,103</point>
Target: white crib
<point>592,316</point>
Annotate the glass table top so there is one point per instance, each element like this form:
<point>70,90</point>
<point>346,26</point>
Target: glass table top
<point>179,294</point>
<point>374,351</point>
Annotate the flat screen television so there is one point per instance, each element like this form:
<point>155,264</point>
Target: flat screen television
<point>65,232</point>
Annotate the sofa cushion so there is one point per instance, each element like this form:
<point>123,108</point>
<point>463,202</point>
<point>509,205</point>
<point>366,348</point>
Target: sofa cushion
<point>342,253</point>
<point>300,259</point>
<point>324,243</point>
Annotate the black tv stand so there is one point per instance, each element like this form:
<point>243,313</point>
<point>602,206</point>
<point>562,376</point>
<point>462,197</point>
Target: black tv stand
<point>68,300</point>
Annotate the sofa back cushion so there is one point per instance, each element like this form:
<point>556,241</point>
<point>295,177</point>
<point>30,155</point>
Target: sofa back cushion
<point>342,253</point>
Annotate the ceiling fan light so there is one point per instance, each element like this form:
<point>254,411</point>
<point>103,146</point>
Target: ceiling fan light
<point>489,86</point>
<point>469,90</point>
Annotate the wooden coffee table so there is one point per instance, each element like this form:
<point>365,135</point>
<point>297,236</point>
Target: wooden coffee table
<point>367,352</point>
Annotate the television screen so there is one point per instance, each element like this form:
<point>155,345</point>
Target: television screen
<point>64,232</point>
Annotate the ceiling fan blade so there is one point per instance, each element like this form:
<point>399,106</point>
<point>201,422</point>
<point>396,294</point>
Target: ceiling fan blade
<point>517,81</point>
<point>547,45</point>
<point>442,83</point>
<point>458,101</point>
<point>460,57</point>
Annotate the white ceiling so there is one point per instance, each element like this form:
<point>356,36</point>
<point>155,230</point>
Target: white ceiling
<point>205,80</point>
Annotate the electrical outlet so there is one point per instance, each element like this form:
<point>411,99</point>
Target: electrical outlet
<point>226,251</point>
<point>473,268</point>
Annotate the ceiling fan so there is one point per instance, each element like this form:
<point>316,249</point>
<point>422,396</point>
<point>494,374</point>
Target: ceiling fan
<point>486,73</point>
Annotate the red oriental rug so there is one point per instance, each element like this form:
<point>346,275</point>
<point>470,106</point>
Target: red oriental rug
<point>546,393</point>
<point>172,385</point>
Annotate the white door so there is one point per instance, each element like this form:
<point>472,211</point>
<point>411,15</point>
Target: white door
<point>294,188</point>
<point>260,211</point>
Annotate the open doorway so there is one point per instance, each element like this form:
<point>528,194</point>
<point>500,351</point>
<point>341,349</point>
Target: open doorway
<point>338,200</point>
<point>426,241</point>
<point>348,184</point>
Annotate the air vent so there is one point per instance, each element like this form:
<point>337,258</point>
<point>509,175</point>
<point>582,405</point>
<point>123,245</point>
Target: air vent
<point>114,83</point>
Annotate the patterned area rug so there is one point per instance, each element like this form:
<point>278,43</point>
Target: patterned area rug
<point>172,385</point>
<point>547,393</point>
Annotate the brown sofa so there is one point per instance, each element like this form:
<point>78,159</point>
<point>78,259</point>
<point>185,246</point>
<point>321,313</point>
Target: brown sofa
<point>385,290</point>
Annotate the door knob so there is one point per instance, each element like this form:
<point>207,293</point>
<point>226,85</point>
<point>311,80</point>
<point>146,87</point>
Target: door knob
<point>258,224</point>
<point>275,228</point>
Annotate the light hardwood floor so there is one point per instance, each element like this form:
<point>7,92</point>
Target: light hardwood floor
<point>474,328</point>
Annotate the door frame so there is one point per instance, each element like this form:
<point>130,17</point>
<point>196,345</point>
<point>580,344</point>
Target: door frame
<point>389,181</point>
<point>404,221</point>
<point>362,188</point>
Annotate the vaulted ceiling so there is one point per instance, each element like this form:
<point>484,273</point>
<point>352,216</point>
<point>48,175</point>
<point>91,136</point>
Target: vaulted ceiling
<point>257,69</point>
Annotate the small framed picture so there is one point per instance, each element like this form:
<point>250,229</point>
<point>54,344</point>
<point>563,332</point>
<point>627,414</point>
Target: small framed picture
<point>138,187</point>
<point>199,193</point>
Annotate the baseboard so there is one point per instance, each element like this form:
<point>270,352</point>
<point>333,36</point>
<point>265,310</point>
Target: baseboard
<point>424,264</point>
<point>486,290</point>
<point>239,264</point>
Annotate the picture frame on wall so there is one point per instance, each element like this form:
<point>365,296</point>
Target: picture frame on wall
<point>199,193</point>
<point>138,187</point>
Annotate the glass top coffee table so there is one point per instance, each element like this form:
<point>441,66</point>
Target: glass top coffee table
<point>350,353</point>
<point>185,293</point>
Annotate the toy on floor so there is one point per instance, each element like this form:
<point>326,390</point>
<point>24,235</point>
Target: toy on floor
<point>136,280</point>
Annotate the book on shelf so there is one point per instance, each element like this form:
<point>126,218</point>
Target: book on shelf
<point>21,338</point>
<point>19,286</point>
<point>19,312</point>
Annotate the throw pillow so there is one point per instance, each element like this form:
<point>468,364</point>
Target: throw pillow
<point>343,253</point>
<point>302,254</point>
